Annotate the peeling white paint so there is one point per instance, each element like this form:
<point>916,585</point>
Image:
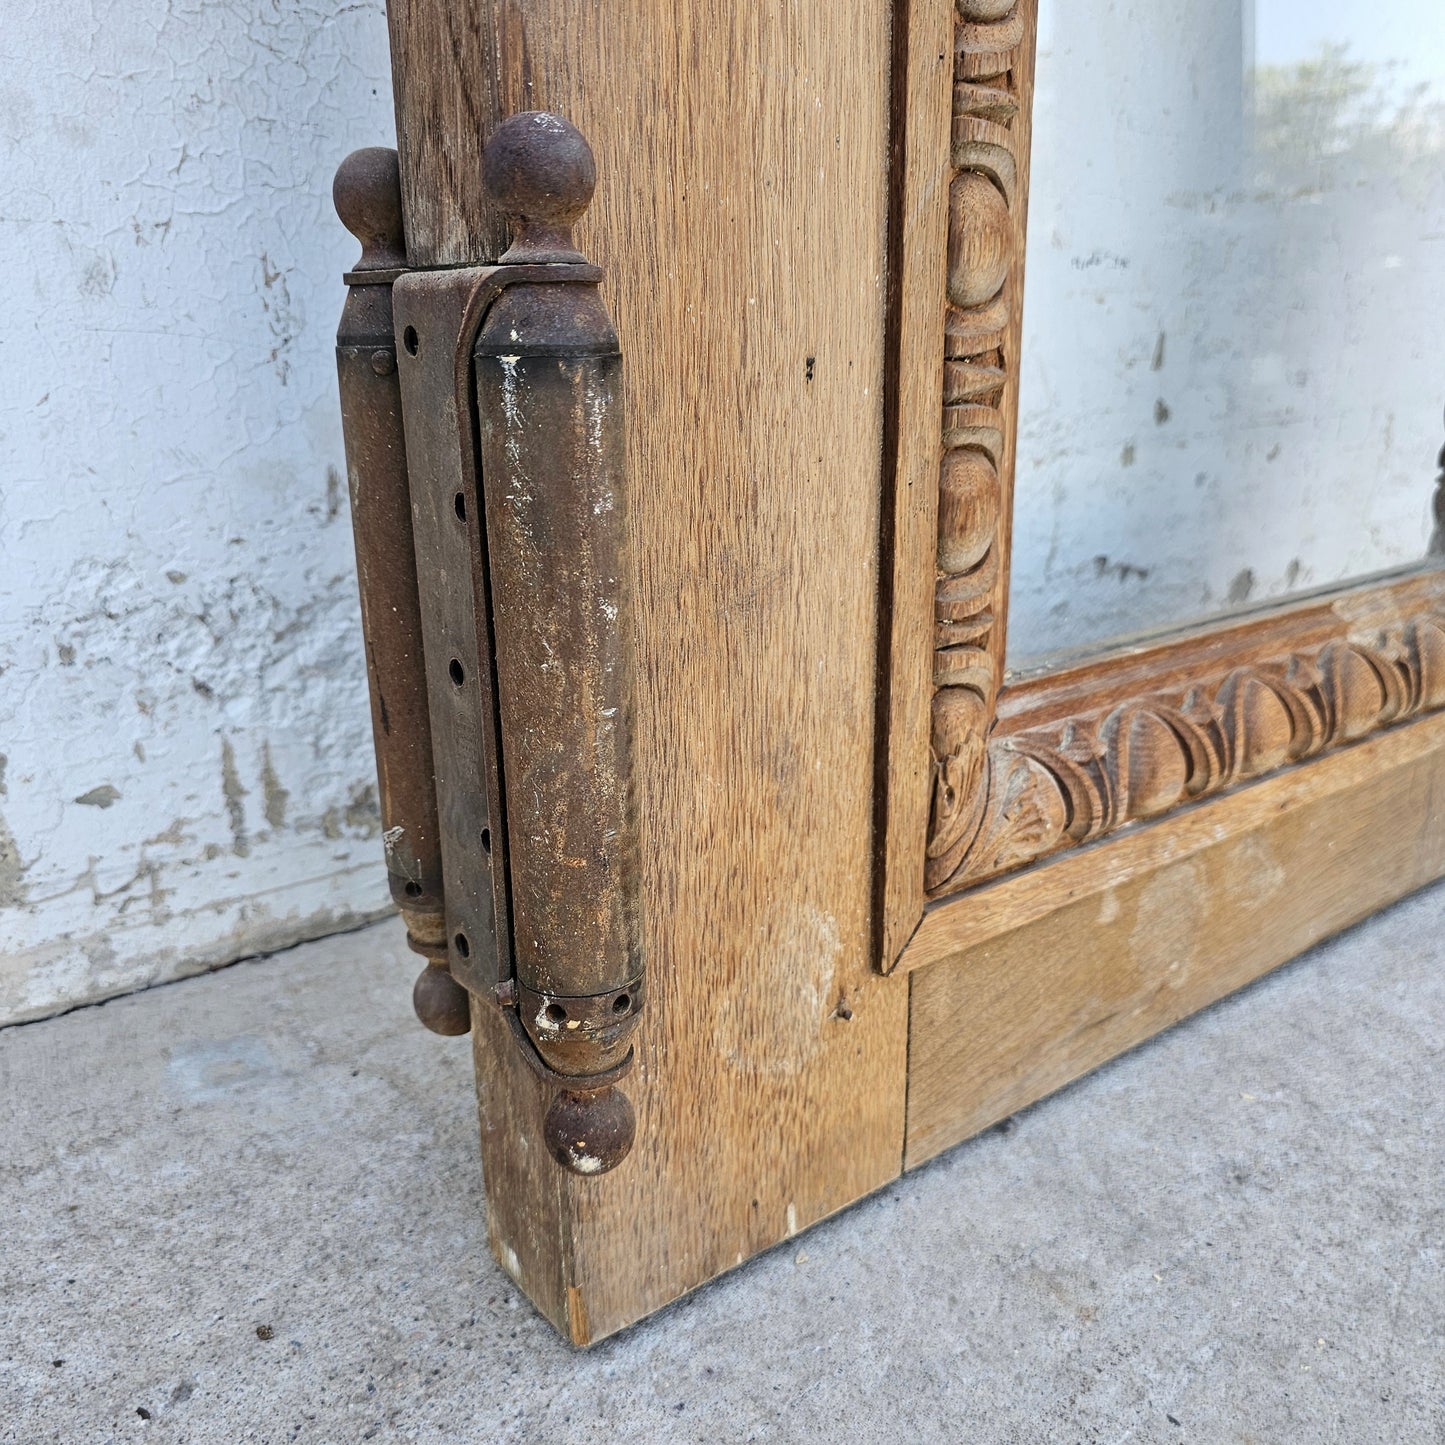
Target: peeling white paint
<point>187,772</point>
<point>510,1262</point>
<point>596,403</point>
<point>512,414</point>
<point>391,840</point>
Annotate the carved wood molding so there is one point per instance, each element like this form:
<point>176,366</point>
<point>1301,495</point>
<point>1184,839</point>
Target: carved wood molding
<point>1072,779</point>
<point>1012,783</point>
<point>986,197</point>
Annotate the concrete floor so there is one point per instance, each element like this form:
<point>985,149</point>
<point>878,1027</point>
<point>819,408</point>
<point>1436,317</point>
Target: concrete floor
<point>246,1207</point>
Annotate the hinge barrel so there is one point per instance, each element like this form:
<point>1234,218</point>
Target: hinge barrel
<point>547,369</point>
<point>367,193</point>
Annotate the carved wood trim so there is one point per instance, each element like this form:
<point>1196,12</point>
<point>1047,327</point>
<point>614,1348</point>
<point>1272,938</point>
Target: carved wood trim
<point>1081,753</point>
<point>987,194</point>
<point>1022,772</point>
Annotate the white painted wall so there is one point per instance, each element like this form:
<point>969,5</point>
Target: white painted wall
<point>1231,376</point>
<point>185,762</point>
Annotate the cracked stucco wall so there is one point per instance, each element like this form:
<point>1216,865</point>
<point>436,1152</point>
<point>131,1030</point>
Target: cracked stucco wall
<point>185,762</point>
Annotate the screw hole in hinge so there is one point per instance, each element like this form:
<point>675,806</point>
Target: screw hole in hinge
<point>556,1013</point>
<point>457,675</point>
<point>409,340</point>
<point>412,890</point>
<point>622,1003</point>
<point>464,949</point>
<point>460,503</point>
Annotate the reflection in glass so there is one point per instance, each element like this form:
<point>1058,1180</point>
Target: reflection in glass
<point>1233,363</point>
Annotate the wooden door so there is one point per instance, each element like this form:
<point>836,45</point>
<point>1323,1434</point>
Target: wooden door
<point>887,898</point>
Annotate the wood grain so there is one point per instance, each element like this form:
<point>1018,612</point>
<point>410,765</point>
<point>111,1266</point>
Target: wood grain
<point>740,215</point>
<point>922,87</point>
<point>443,70</point>
<point>1256,877</point>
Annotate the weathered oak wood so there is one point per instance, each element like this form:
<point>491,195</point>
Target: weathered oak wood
<point>443,75</point>
<point>741,226</point>
<point>818,307</point>
<point>1232,889</point>
<point>922,90</point>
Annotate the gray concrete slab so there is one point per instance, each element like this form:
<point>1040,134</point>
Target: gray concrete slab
<point>247,1207</point>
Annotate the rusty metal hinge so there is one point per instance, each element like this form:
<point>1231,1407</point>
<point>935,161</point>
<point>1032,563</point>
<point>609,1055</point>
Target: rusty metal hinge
<point>512,455</point>
<point>367,193</point>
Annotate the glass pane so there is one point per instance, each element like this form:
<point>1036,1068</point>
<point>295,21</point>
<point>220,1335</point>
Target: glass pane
<point>1234,332</point>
